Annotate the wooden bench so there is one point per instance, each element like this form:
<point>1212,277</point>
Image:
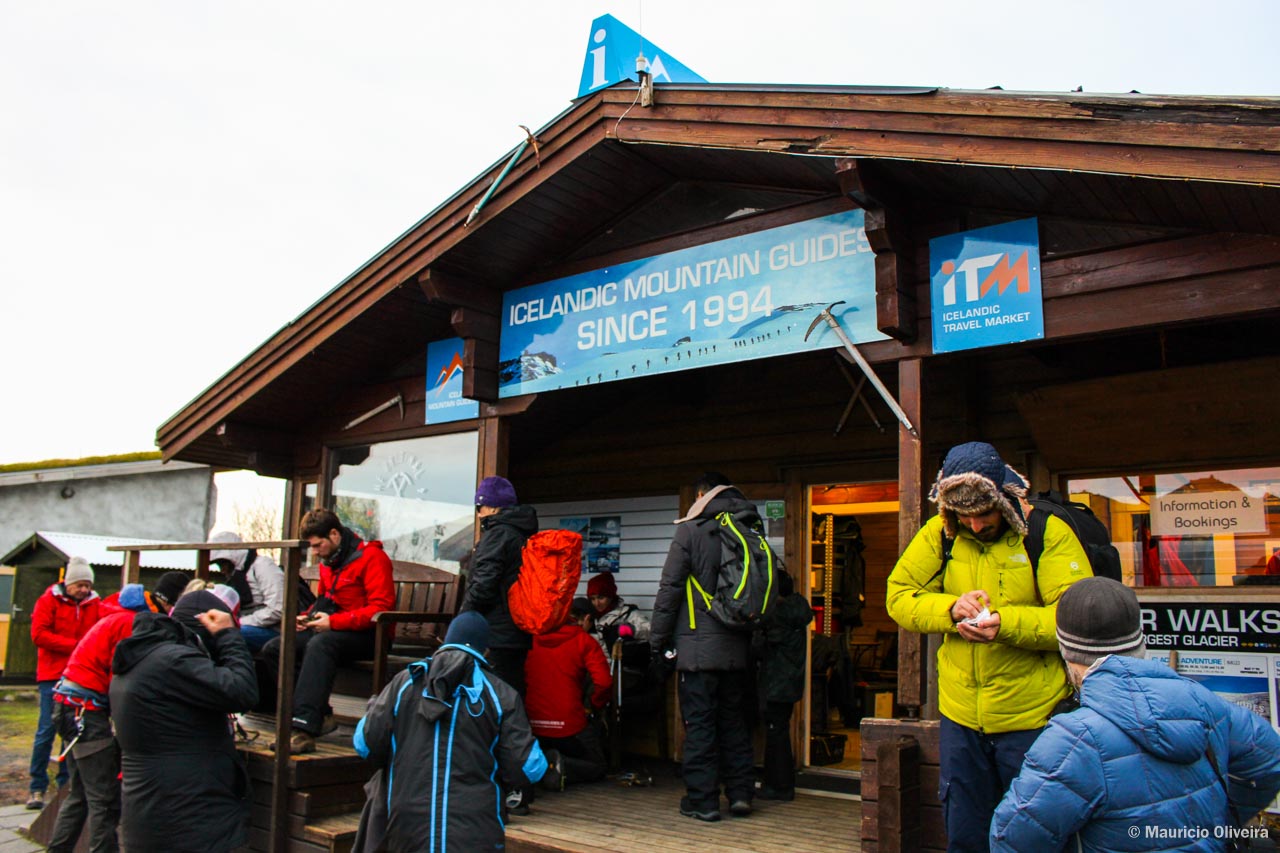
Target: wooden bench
<point>427,599</point>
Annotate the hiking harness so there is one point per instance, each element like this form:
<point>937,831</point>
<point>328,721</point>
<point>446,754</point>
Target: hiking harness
<point>82,699</point>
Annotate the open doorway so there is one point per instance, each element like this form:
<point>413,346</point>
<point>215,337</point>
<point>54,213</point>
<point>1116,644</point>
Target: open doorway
<point>853,545</point>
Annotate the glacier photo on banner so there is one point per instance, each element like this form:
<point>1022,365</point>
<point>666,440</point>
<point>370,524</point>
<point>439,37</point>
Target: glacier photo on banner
<point>743,298</point>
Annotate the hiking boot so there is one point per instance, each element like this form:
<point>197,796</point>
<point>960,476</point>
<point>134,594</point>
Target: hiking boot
<point>740,808</point>
<point>35,802</point>
<point>706,814</point>
<point>775,794</point>
<point>328,725</point>
<point>299,743</point>
<point>553,779</point>
<point>515,803</point>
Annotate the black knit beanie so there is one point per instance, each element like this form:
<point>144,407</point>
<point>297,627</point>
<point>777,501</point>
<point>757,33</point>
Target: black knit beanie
<point>1099,617</point>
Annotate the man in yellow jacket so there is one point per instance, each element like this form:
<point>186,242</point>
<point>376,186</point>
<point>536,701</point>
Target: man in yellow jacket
<point>967,575</point>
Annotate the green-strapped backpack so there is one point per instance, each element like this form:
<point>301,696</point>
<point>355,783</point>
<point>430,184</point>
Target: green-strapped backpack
<point>745,584</point>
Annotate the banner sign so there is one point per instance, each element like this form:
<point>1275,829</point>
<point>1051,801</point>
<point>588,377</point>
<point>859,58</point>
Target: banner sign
<point>985,287</point>
<point>1190,625</point>
<point>445,402</point>
<point>746,297</point>
<point>612,48</point>
<point>1206,513</point>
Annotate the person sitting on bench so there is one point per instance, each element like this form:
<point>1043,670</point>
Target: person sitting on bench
<point>355,583</point>
<point>614,618</point>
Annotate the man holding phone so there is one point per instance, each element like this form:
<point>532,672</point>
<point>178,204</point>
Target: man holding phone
<point>355,583</point>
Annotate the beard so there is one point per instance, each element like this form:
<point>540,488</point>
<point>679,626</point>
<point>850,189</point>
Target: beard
<point>989,534</point>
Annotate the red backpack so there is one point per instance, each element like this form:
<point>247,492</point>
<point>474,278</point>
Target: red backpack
<point>550,567</point>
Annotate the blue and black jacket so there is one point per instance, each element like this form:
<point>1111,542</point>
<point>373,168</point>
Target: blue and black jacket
<point>444,733</point>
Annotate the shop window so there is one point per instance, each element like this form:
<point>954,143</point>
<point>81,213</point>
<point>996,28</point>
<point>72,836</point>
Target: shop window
<point>1198,528</point>
<point>416,496</point>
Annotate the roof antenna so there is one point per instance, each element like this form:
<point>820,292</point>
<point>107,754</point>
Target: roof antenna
<point>642,64</point>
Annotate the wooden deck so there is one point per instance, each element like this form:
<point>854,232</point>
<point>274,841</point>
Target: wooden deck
<point>326,796</point>
<point>606,816</point>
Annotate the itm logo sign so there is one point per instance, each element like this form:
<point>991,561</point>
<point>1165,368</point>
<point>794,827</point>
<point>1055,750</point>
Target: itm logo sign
<point>985,287</point>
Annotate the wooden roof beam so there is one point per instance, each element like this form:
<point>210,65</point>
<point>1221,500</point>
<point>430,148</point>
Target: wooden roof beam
<point>896,311</point>
<point>476,319</point>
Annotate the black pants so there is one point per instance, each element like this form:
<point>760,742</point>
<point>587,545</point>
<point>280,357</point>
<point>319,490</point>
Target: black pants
<point>95,784</point>
<point>318,657</point>
<point>779,761</point>
<point>582,754</point>
<point>508,664</point>
<point>977,769</point>
<point>717,740</point>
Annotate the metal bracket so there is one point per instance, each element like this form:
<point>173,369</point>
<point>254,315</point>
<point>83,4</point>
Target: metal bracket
<point>397,400</point>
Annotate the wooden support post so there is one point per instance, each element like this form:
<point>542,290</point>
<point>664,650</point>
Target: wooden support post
<point>898,806</point>
<point>284,703</point>
<point>202,565</point>
<point>131,571</point>
<point>912,690</point>
<point>476,318</point>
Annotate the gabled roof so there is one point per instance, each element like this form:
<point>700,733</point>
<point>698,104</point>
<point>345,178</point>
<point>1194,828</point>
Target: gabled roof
<point>611,177</point>
<point>94,549</point>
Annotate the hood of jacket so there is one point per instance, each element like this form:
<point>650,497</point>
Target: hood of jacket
<point>730,500</point>
<point>150,632</point>
<point>558,637</point>
<point>235,558</point>
<point>522,517</point>
<point>1151,704</point>
<point>453,674</point>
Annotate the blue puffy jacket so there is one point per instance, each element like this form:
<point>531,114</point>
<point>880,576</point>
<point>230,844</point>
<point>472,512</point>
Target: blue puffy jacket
<point>1133,761</point>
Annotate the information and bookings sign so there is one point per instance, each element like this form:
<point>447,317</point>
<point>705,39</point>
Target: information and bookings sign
<point>985,287</point>
<point>1206,513</point>
<point>747,297</point>
<point>445,402</point>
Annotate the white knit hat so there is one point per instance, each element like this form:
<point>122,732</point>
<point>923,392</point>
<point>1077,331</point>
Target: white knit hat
<point>78,569</point>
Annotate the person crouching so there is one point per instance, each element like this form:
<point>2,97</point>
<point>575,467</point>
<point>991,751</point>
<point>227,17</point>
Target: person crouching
<point>435,732</point>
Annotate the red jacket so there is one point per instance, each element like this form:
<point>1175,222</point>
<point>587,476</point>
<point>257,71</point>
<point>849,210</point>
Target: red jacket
<point>362,588</point>
<point>556,674</point>
<point>57,624</point>
<point>90,664</point>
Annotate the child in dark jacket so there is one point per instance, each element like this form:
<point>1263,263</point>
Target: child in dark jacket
<point>782,675</point>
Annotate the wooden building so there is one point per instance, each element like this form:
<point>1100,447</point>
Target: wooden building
<point>1158,223</point>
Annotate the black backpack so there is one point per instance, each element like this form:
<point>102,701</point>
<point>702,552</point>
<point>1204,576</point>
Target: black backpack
<point>746,580</point>
<point>1104,559</point>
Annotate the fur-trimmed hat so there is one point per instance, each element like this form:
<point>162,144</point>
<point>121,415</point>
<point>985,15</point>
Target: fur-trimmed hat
<point>973,480</point>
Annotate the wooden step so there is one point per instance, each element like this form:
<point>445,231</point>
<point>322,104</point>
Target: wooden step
<point>334,834</point>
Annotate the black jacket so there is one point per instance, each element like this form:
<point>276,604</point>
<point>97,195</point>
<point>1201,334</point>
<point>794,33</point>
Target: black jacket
<point>442,733</point>
<point>697,548</point>
<point>784,648</point>
<point>184,787</point>
<point>495,565</point>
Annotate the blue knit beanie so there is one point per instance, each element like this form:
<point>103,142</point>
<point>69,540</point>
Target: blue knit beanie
<point>132,597</point>
<point>469,629</point>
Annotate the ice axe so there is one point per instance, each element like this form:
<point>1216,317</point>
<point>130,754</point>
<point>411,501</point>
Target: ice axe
<point>826,315</point>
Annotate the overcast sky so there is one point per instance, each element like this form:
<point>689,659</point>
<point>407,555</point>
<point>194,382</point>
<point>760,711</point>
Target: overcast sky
<point>180,179</point>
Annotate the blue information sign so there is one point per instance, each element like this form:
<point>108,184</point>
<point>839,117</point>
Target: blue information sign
<point>612,49</point>
<point>445,402</point>
<point>747,297</point>
<point>985,287</point>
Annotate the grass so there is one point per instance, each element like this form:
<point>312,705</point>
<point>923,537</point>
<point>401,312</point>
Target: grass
<point>18,720</point>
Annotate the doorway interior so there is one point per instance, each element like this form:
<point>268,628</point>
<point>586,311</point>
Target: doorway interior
<point>852,547</point>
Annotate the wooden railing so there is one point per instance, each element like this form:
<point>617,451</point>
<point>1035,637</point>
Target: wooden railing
<point>292,551</point>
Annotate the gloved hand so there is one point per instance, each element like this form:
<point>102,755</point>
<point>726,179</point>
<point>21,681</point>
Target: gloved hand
<point>661,665</point>
<point>626,632</point>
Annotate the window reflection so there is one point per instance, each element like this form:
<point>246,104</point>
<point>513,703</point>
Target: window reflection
<point>1201,528</point>
<point>416,496</point>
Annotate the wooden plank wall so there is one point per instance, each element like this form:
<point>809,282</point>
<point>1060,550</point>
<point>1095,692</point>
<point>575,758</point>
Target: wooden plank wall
<point>877,732</point>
